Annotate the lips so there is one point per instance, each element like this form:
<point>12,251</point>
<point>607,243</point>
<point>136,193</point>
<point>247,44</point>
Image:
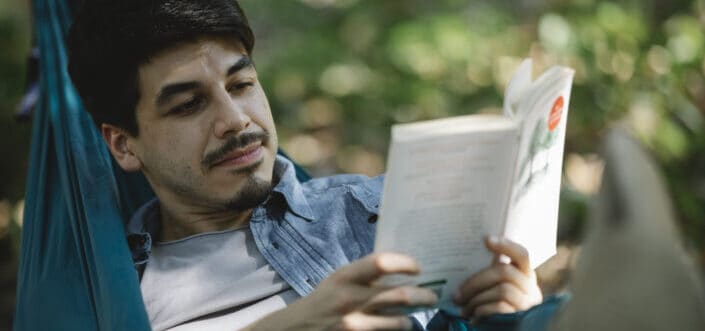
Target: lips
<point>241,157</point>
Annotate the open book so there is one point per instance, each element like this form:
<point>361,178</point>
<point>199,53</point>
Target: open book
<point>453,181</point>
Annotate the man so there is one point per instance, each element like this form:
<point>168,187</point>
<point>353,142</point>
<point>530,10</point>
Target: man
<point>233,240</point>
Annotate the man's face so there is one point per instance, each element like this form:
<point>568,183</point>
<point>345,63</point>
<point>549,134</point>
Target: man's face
<point>206,135</point>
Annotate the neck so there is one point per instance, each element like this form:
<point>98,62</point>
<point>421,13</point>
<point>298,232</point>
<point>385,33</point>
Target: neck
<point>189,223</point>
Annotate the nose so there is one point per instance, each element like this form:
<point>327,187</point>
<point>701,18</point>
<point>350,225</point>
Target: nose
<point>231,116</point>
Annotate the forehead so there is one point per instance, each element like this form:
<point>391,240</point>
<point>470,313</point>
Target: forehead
<point>199,59</point>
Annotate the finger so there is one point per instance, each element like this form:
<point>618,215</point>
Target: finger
<point>504,292</point>
<point>493,308</point>
<point>401,297</point>
<point>491,277</point>
<point>364,322</point>
<point>374,266</point>
<point>517,253</point>
<point>352,297</point>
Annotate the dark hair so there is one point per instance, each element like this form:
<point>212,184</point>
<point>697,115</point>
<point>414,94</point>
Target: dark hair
<point>110,39</point>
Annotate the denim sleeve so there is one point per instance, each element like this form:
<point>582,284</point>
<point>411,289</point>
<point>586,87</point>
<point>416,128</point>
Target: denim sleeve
<point>538,317</point>
<point>535,319</point>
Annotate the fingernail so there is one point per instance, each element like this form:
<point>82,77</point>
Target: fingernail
<point>493,240</point>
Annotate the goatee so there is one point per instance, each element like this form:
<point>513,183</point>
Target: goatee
<point>253,193</point>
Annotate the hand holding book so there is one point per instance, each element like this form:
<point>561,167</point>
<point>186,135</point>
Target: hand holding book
<point>501,287</point>
<point>451,182</point>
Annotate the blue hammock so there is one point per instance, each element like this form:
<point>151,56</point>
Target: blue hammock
<point>75,271</point>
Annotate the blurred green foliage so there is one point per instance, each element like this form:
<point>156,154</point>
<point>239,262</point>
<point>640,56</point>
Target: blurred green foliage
<point>14,48</point>
<point>338,73</point>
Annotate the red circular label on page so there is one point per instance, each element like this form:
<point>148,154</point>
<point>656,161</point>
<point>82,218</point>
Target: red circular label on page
<point>554,118</point>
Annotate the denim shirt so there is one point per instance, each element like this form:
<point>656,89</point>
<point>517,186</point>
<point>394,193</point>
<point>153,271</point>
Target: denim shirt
<point>304,230</point>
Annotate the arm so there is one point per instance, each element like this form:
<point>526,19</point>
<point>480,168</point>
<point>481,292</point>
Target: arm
<point>347,300</point>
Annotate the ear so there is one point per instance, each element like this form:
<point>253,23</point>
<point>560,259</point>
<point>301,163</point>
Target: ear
<point>118,141</point>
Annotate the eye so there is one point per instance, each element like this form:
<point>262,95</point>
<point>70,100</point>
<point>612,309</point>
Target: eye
<point>239,87</point>
<point>191,106</point>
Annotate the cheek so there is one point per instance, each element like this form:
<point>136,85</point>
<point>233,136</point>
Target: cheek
<point>263,113</point>
<point>266,121</point>
<point>179,145</point>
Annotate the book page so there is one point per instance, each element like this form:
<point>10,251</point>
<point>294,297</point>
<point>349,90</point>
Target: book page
<point>542,112</point>
<point>445,190</point>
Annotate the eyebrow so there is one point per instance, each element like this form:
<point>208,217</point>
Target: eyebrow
<point>170,90</point>
<point>243,62</point>
<point>173,89</point>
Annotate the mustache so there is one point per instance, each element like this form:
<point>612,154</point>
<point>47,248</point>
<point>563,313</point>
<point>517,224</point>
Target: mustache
<point>236,142</point>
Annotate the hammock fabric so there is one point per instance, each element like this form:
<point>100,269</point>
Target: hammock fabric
<point>76,271</point>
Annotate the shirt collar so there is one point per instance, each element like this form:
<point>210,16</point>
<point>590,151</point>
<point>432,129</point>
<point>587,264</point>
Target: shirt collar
<point>146,218</point>
<point>291,189</point>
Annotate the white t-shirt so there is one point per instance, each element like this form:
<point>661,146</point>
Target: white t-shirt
<point>211,281</point>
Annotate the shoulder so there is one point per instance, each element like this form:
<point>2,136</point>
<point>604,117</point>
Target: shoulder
<point>366,190</point>
<point>345,209</point>
<point>352,180</point>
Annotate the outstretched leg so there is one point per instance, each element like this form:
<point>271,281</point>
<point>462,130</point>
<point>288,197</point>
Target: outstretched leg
<point>632,273</point>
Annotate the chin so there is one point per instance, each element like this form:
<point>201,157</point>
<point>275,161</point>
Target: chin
<point>253,192</point>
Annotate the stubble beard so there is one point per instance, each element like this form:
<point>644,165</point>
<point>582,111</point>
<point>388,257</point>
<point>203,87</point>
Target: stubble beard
<point>253,193</point>
<point>255,190</point>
